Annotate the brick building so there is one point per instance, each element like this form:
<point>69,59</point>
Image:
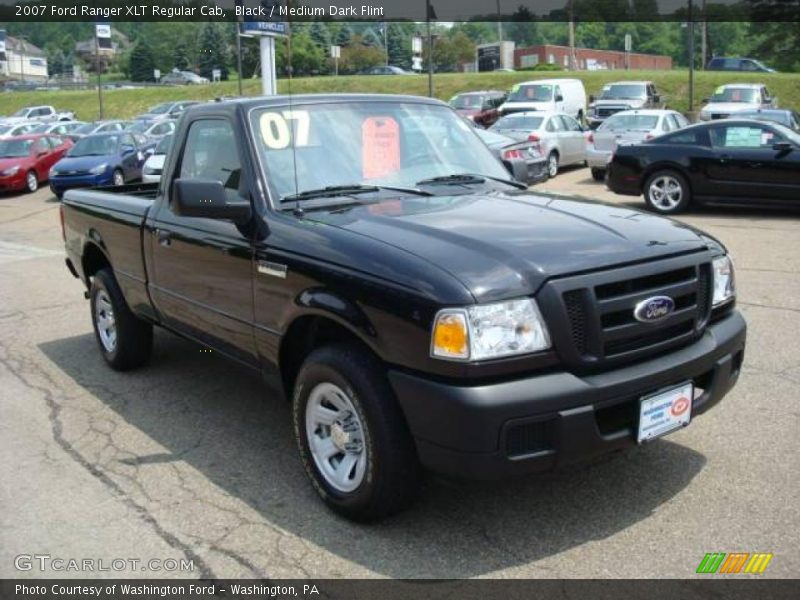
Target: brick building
<point>588,59</point>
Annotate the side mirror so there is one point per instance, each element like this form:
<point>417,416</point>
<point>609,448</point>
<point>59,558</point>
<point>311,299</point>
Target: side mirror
<point>518,169</point>
<point>591,98</point>
<point>559,98</point>
<point>206,198</point>
<point>704,101</point>
<point>782,146</point>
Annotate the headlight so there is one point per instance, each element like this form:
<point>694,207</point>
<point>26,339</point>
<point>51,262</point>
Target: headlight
<point>99,169</point>
<point>53,172</point>
<point>724,281</point>
<point>489,331</point>
<point>10,171</point>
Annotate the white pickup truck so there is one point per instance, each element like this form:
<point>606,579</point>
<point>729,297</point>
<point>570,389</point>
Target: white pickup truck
<point>44,114</point>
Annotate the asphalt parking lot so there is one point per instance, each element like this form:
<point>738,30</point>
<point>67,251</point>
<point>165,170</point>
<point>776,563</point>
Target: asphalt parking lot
<point>190,457</point>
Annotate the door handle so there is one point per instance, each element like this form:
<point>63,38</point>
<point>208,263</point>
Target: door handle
<point>164,237</point>
<point>755,164</point>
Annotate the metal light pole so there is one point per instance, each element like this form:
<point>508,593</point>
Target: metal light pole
<point>499,24</point>
<point>239,55</point>
<point>690,27</point>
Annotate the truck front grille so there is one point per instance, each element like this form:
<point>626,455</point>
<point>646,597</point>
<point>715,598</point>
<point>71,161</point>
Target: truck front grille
<point>597,311</point>
<point>607,111</point>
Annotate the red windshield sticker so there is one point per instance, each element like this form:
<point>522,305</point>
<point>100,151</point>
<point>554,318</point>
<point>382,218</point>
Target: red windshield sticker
<point>380,147</point>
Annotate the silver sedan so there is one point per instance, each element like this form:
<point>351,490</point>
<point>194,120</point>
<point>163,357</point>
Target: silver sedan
<point>561,138</point>
<point>627,127</point>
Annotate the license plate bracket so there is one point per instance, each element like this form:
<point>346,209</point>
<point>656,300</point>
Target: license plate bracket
<point>665,411</point>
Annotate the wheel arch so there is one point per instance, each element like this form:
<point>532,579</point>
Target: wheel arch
<point>93,258</point>
<point>665,166</point>
<point>324,317</point>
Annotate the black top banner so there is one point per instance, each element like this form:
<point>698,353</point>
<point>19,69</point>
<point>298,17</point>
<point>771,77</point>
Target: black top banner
<point>400,10</point>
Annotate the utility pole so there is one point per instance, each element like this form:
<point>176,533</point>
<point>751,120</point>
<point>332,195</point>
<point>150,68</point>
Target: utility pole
<point>21,39</point>
<point>499,24</point>
<point>97,68</point>
<point>430,47</point>
<point>704,39</point>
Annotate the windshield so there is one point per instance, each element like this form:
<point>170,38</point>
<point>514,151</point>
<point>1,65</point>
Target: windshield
<point>623,92</point>
<point>5,129</point>
<point>394,144</point>
<point>138,127</point>
<point>775,117</point>
<point>43,128</point>
<point>100,145</point>
<point>163,145</point>
<point>15,148</point>
<point>538,92</point>
<point>22,112</point>
<point>518,122</point>
<point>160,109</point>
<point>468,101</point>
<point>621,121</point>
<point>87,128</point>
<point>735,94</point>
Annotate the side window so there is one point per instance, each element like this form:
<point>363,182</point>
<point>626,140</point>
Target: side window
<point>685,137</point>
<point>743,136</point>
<point>54,141</point>
<point>555,124</point>
<point>570,124</point>
<point>666,124</point>
<point>210,153</point>
<point>748,65</point>
<point>41,145</point>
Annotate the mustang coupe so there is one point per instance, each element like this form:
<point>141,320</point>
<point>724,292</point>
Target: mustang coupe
<point>730,160</point>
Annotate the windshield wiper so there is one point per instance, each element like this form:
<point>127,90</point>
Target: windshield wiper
<point>332,191</point>
<point>468,179</point>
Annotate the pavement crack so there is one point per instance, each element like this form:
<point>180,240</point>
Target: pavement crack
<point>205,571</point>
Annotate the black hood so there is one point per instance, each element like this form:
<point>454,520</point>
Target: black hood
<point>506,245</point>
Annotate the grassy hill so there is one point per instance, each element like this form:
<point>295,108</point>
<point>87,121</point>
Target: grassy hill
<point>127,103</point>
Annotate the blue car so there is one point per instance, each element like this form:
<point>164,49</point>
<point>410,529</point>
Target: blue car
<point>96,160</point>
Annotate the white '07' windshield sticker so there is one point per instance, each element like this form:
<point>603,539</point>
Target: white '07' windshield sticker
<point>276,130</point>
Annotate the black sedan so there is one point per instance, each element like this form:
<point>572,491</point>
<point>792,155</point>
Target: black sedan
<point>731,160</point>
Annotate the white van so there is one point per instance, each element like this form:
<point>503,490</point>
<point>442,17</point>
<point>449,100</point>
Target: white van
<point>548,95</point>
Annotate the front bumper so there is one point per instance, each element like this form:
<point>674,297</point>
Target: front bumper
<point>553,419</point>
<point>61,183</point>
<point>13,183</point>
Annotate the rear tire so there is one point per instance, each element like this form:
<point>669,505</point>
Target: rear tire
<point>552,164</point>
<point>126,342</point>
<point>353,439</point>
<point>667,192</point>
<point>598,174</point>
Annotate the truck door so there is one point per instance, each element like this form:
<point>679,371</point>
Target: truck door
<point>202,282</point>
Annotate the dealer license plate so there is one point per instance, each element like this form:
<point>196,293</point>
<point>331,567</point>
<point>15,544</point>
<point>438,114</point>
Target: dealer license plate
<point>665,411</point>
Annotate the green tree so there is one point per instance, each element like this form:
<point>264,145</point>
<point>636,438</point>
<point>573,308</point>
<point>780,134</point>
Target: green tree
<point>320,35</point>
<point>371,38</point>
<point>180,56</point>
<point>142,63</point>
<point>307,57</point>
<point>357,57</point>
<point>345,35</point>
<point>398,41</point>
<point>213,51</point>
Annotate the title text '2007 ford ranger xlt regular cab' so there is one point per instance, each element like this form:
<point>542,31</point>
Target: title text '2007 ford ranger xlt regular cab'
<point>372,258</point>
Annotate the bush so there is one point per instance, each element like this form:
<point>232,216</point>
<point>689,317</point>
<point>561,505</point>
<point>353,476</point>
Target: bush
<point>542,67</point>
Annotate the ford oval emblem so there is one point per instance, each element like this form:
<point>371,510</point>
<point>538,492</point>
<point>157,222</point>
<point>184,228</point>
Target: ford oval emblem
<point>654,309</point>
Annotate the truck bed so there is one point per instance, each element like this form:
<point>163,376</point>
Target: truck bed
<point>111,219</point>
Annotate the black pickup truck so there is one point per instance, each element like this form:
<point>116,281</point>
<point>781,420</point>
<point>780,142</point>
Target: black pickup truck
<point>417,306</point>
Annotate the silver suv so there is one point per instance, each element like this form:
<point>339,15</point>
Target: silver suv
<point>622,95</point>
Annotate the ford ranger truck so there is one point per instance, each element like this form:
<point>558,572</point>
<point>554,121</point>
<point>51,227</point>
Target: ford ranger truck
<point>418,307</point>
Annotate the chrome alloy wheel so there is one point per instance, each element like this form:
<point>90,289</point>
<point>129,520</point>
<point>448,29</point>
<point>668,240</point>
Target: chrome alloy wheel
<point>336,437</point>
<point>104,319</point>
<point>552,164</point>
<point>665,192</point>
<point>31,181</point>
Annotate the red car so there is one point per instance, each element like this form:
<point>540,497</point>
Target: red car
<point>479,107</point>
<point>25,160</point>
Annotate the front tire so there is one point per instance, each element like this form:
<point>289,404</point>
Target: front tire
<point>31,181</point>
<point>598,174</point>
<point>126,342</point>
<point>352,435</point>
<point>118,178</point>
<point>667,192</point>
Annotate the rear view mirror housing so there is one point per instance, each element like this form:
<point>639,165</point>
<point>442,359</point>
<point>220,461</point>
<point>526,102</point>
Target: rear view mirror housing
<point>206,198</point>
<point>783,146</point>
